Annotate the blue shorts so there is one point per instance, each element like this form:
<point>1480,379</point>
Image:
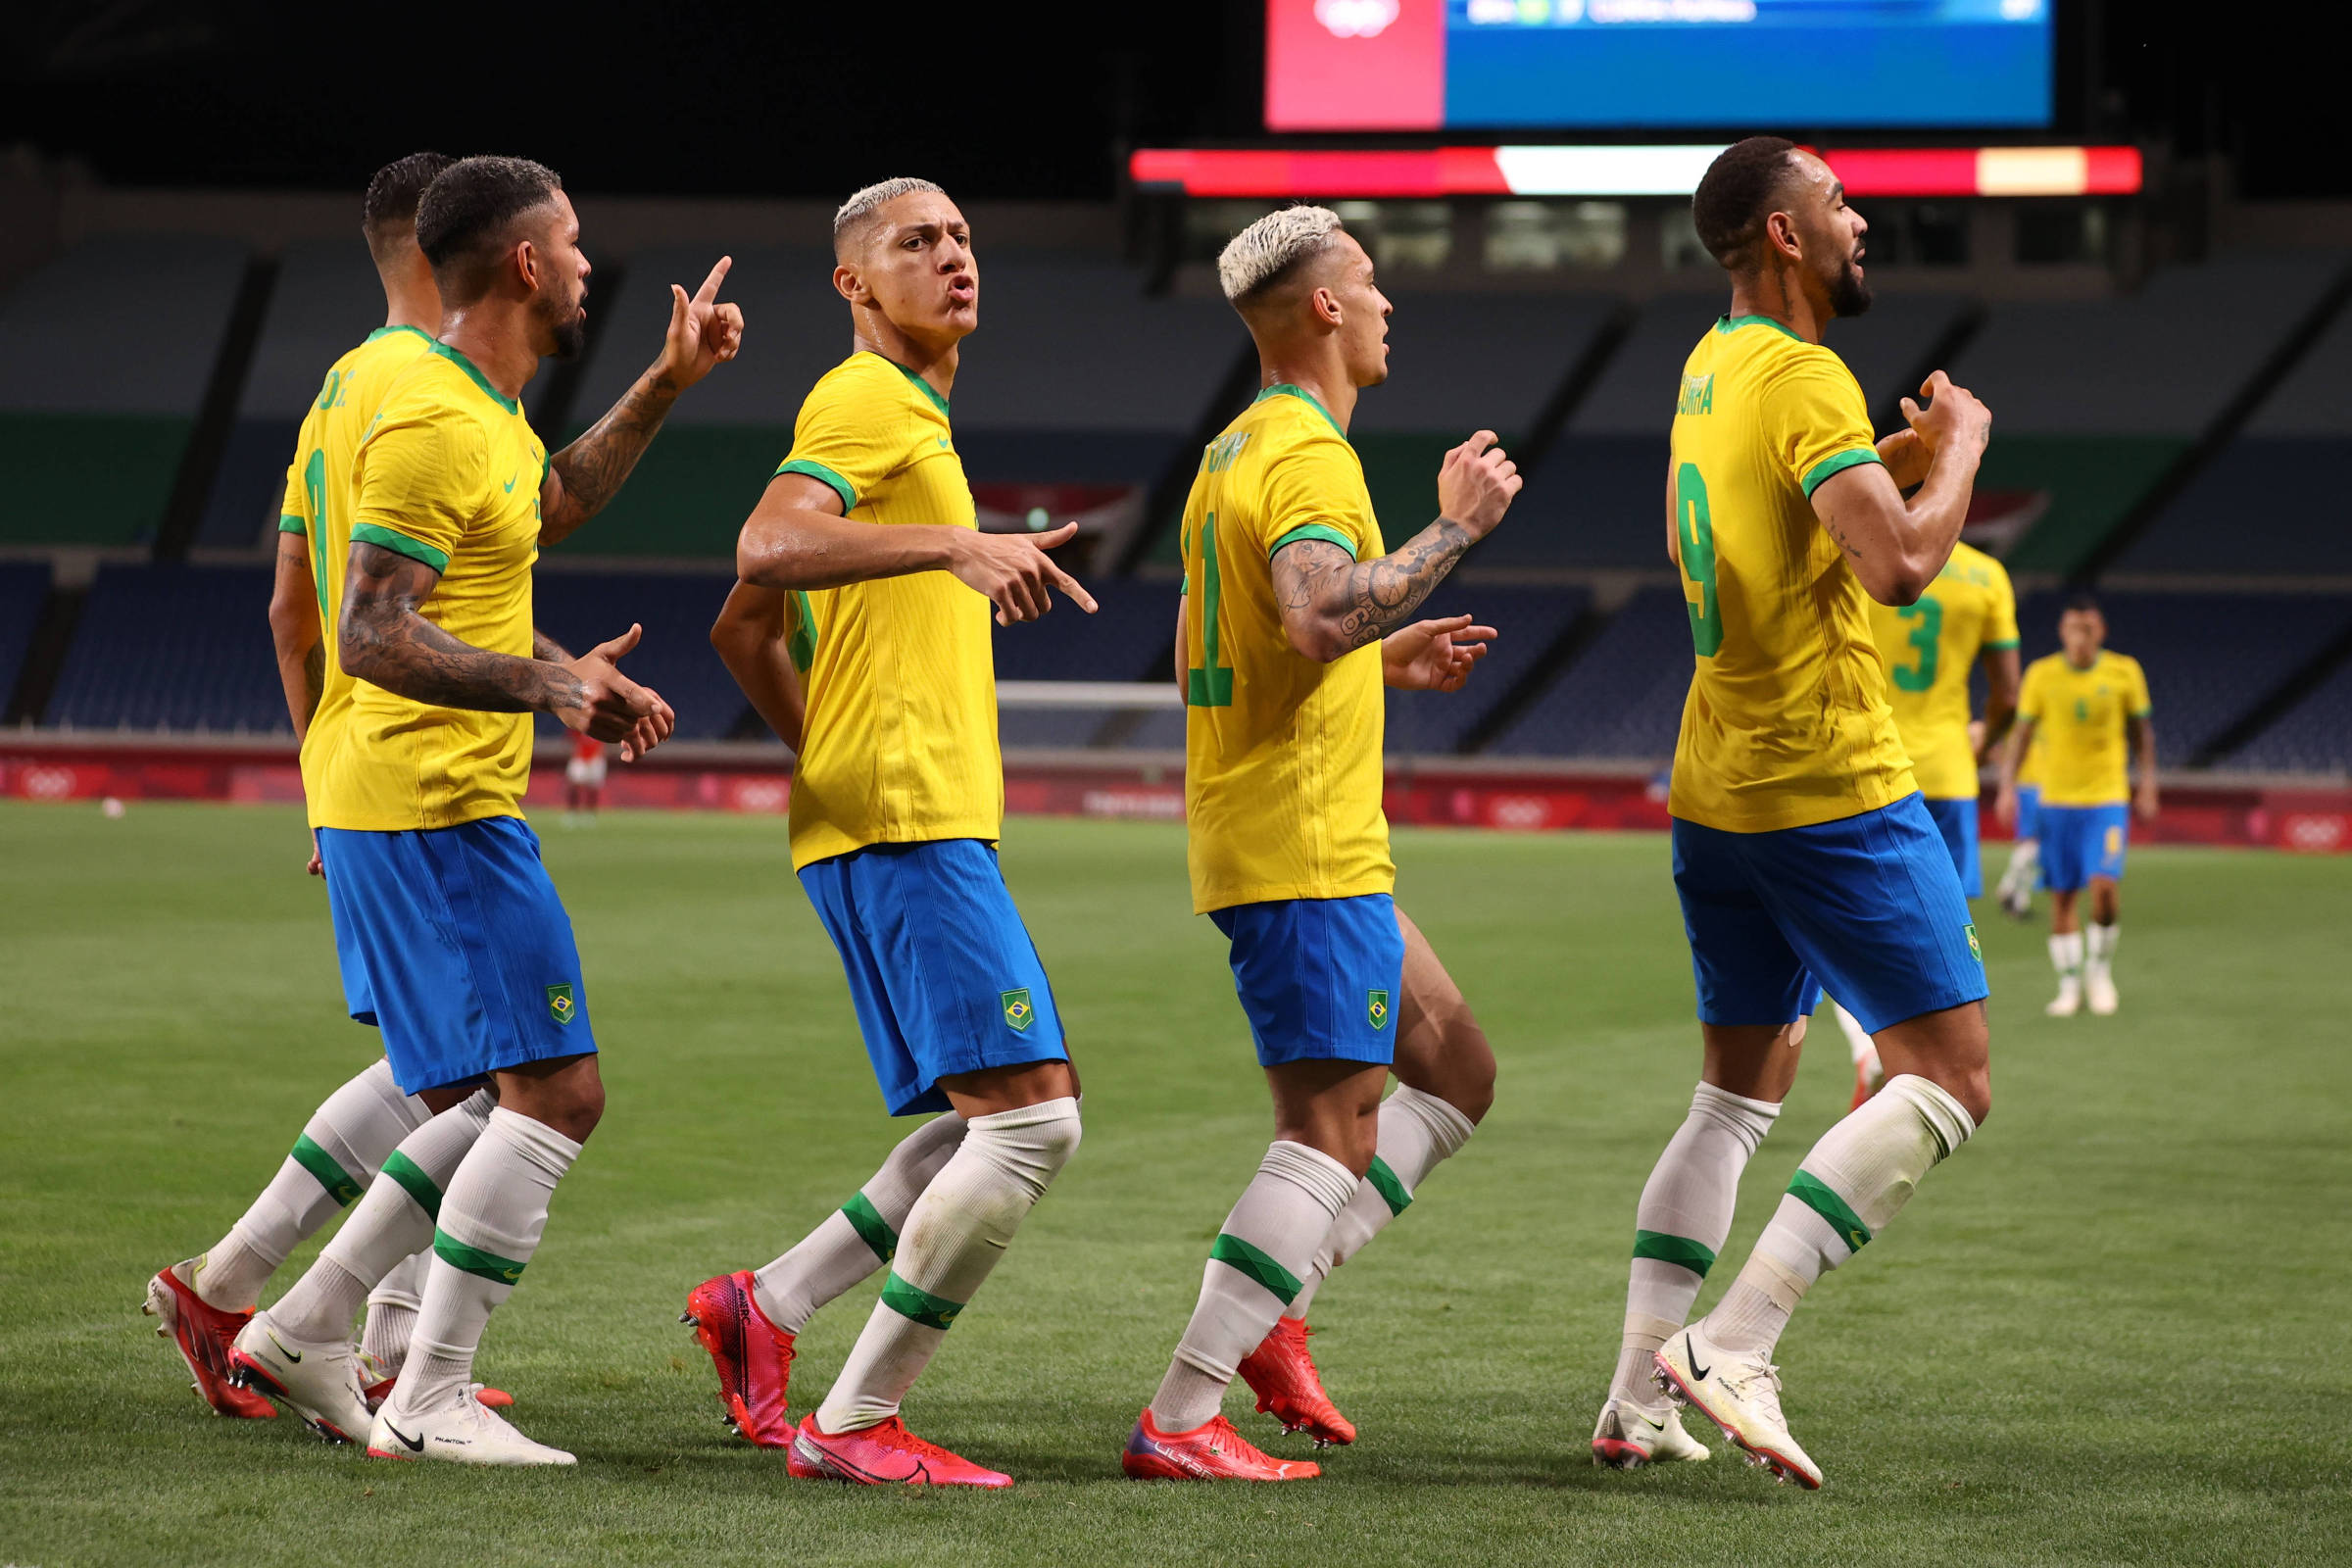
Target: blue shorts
<point>2028,811</point>
<point>1320,978</point>
<point>1868,908</point>
<point>2080,842</point>
<point>1956,820</point>
<point>452,943</point>
<point>942,973</point>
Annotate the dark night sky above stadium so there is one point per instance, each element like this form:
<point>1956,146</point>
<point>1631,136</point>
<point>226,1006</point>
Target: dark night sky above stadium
<point>798,100</point>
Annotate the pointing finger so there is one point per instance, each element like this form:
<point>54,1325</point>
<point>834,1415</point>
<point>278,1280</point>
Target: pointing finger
<point>1071,586</point>
<point>1056,538</point>
<point>710,289</point>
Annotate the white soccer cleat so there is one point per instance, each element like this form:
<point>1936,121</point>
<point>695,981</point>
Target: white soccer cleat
<point>463,1430</point>
<point>2099,989</point>
<point>320,1383</point>
<point>1740,1392</point>
<point>2067,1001</point>
<point>1629,1436</point>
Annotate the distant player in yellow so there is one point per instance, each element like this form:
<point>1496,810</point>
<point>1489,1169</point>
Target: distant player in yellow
<point>206,1301</point>
<point>2088,707</point>
<point>1803,853</point>
<point>1967,617</point>
<point>450,935</point>
<point>860,632</point>
<point>1295,616</point>
<point>2023,874</point>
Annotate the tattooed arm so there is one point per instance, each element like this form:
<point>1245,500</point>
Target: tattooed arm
<point>1896,547</point>
<point>589,472</point>
<point>1332,604</point>
<point>382,639</point>
<point>294,631</point>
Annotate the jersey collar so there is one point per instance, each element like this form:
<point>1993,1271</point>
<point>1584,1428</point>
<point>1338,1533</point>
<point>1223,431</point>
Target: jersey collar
<point>926,387</point>
<point>387,332</point>
<point>1733,323</point>
<point>474,372</point>
<point>1286,389</point>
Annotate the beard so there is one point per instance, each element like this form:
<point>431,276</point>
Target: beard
<point>1850,291</point>
<point>567,324</point>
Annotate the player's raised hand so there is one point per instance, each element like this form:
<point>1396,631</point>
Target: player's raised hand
<point>1476,484</point>
<point>1015,572</point>
<point>1433,655</point>
<point>702,332</point>
<point>612,707</point>
<point>1953,414</point>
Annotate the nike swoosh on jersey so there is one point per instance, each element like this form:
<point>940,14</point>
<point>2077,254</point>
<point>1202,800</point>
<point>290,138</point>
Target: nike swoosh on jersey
<point>511,482</point>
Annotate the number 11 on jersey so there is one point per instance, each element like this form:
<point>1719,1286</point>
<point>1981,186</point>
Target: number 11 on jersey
<point>1208,684</point>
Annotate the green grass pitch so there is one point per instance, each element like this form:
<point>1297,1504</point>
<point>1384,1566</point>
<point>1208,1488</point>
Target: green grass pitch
<point>2111,1330</point>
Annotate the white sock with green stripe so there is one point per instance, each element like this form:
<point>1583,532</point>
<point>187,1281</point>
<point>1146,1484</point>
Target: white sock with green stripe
<point>861,1235</point>
<point>2024,860</point>
<point>953,1234</point>
<point>1856,1180</point>
<point>493,1214</point>
<point>2066,956</point>
<point>1679,1225</point>
<point>394,1222</point>
<point>1416,1131</point>
<point>2098,947</point>
<point>1257,1267</point>
<point>333,1160</point>
<point>392,1313</point>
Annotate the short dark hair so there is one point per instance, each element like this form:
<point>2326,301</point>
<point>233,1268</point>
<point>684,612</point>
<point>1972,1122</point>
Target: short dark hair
<point>2083,599</point>
<point>467,212</point>
<point>388,214</point>
<point>1736,194</point>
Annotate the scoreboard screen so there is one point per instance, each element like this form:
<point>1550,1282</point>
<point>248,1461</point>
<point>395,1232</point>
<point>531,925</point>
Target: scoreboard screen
<point>1438,64</point>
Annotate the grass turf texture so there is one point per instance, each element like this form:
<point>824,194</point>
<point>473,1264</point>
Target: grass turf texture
<point>2109,1331</point>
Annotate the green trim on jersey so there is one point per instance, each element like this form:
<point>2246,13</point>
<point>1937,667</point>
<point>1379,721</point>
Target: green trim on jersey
<point>1314,530</point>
<point>1286,389</point>
<point>927,389</point>
<point>1239,1254</point>
<point>474,1260</point>
<point>915,1302</point>
<point>1680,1251</point>
<point>1812,1191</point>
<point>818,471</point>
<point>386,331</point>
<point>871,1228</point>
<point>340,1184</point>
<point>287,523</point>
<point>2001,647</point>
<point>1391,1191</point>
<point>1838,462</point>
<point>399,544</point>
<point>475,373</point>
<point>422,1188</point>
<point>1733,323</point>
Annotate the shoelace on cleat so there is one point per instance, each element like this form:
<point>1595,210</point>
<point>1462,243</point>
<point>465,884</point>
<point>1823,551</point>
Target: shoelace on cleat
<point>893,1434</point>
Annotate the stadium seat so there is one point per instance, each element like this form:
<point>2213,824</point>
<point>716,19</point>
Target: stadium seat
<point>2209,658</point>
<point>105,356</point>
<point>1623,699</point>
<point>1127,639</point>
<point>1530,621</point>
<point>581,609</point>
<point>1597,498</point>
<point>172,646</point>
<point>2314,736</point>
<point>24,589</point>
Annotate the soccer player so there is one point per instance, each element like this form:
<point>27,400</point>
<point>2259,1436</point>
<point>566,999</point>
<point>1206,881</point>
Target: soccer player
<point>861,631</point>
<point>204,1301</point>
<point>447,926</point>
<point>2088,709</point>
<point>2023,874</point>
<point>1293,618</point>
<point>1967,617</point>
<point>1803,854</point>
<point>584,778</point>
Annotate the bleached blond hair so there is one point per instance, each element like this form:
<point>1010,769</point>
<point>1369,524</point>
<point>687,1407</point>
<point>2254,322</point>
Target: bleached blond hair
<point>1261,255</point>
<point>863,204</point>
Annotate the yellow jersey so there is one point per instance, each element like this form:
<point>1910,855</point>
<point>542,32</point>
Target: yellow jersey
<point>447,473</point>
<point>898,741</point>
<point>2080,730</point>
<point>1929,649</point>
<point>1786,723</point>
<point>318,504</point>
<point>1282,776</point>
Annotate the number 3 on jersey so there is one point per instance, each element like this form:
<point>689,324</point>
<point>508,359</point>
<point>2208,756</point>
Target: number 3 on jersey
<point>1694,533</point>
<point>1208,684</point>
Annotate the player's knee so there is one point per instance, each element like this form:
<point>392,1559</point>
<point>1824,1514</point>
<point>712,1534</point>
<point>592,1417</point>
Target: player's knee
<point>1974,1091</point>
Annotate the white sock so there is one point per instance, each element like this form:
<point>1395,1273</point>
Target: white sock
<point>2066,956</point>
<point>1856,1180</point>
<point>1256,1267</point>
<point>394,1222</point>
<point>392,1313</point>
<point>2099,950</point>
<point>955,1234</point>
<point>492,1216</point>
<point>1857,1038</point>
<point>861,1235</point>
<point>1415,1132</point>
<point>1679,1224</point>
<point>2024,860</point>
<point>333,1160</point>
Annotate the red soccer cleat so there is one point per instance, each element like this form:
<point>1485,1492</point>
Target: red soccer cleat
<point>204,1334</point>
<point>1210,1451</point>
<point>1868,1075</point>
<point>376,1389</point>
<point>1282,1376</point>
<point>881,1455</point>
<point>752,1356</point>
